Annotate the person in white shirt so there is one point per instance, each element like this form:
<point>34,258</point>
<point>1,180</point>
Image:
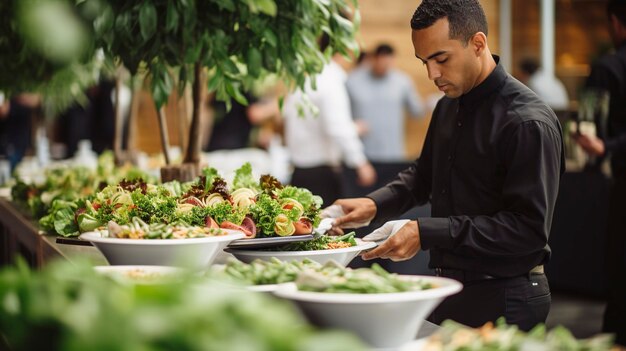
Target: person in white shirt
<point>318,143</point>
<point>549,88</point>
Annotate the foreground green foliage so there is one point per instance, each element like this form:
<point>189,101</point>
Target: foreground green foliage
<point>70,307</point>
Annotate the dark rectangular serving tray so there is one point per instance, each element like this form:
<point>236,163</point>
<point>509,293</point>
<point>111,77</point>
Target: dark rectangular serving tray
<point>261,243</point>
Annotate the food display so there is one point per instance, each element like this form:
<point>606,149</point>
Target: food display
<point>501,337</point>
<point>330,277</point>
<point>55,200</point>
<point>258,208</point>
<point>269,272</point>
<point>323,242</point>
<point>358,281</point>
<point>138,229</point>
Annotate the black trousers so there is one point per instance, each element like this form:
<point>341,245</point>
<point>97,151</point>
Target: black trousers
<point>523,301</point>
<point>324,181</point>
<point>615,313</point>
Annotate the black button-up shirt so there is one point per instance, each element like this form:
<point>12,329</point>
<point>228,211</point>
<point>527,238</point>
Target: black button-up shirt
<point>490,166</point>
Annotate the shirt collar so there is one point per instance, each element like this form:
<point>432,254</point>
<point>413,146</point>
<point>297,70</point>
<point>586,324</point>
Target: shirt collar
<point>485,88</point>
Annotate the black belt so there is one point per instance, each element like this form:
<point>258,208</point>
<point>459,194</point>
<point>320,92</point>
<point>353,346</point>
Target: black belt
<point>470,276</point>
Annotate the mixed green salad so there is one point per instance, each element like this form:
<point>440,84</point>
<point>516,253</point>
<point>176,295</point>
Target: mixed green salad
<point>258,207</point>
<point>323,242</point>
<point>374,280</point>
<point>313,276</point>
<point>261,272</point>
<point>139,229</point>
<point>501,337</point>
<point>69,183</point>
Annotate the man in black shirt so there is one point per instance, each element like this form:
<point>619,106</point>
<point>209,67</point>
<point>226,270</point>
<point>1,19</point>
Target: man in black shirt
<point>609,75</point>
<point>490,167</point>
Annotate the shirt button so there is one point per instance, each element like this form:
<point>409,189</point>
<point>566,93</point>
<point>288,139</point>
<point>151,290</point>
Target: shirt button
<point>443,191</point>
<point>459,123</point>
<point>449,157</point>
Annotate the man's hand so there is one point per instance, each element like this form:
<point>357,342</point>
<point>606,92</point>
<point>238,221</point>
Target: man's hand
<point>350,213</point>
<point>358,212</point>
<point>591,144</point>
<point>399,247</point>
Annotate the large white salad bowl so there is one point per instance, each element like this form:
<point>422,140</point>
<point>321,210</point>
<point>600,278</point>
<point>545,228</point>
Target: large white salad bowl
<point>342,256</point>
<point>382,320</point>
<point>190,252</point>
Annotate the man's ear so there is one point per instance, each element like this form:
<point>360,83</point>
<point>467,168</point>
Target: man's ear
<point>478,42</point>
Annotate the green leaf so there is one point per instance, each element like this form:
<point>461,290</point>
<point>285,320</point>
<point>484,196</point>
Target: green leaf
<point>255,62</point>
<point>171,19</point>
<point>270,37</point>
<point>226,5</point>
<point>235,93</point>
<point>267,6</point>
<point>214,81</point>
<point>147,20</point>
<point>104,22</point>
<point>182,80</point>
<point>229,67</point>
<point>193,53</point>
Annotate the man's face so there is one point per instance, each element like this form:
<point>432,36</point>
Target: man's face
<point>382,64</point>
<point>453,67</point>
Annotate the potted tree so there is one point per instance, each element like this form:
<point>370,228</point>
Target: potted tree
<point>232,42</point>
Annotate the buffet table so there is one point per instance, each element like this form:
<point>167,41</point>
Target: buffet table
<point>19,235</point>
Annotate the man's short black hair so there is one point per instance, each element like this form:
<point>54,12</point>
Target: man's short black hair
<point>466,17</point>
<point>384,50</point>
<point>618,9</point>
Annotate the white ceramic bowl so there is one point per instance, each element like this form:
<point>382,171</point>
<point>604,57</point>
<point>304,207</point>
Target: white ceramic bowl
<point>192,252</point>
<point>382,320</point>
<point>341,256</point>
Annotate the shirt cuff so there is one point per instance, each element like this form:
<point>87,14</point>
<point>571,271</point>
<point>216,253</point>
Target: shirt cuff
<point>435,232</point>
<point>382,198</point>
<point>610,146</point>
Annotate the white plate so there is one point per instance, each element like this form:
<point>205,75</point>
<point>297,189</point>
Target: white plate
<point>415,345</point>
<point>382,320</point>
<point>192,252</point>
<point>341,256</point>
<point>154,274</point>
<point>265,288</point>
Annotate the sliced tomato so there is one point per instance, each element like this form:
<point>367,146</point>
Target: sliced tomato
<point>233,226</point>
<point>303,226</point>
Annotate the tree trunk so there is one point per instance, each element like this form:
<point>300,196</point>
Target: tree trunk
<point>119,123</point>
<point>132,118</point>
<point>193,147</point>
<point>164,135</point>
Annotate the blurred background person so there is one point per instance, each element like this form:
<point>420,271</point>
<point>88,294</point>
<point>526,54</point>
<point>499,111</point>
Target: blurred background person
<point>16,126</point>
<point>317,144</point>
<point>608,74</point>
<point>233,129</point>
<point>380,95</point>
<point>94,121</point>
<point>550,89</point>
